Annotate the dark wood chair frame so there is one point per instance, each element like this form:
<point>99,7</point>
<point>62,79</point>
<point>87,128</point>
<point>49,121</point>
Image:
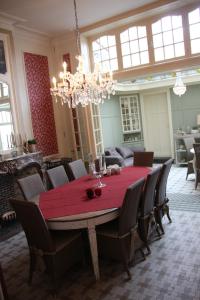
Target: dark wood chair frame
<point>161,200</point>
<point>123,229</point>
<point>197,163</point>
<point>58,249</point>
<point>146,212</point>
<point>143,158</point>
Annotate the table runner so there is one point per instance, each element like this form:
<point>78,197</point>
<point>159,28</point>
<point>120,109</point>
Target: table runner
<point>71,199</point>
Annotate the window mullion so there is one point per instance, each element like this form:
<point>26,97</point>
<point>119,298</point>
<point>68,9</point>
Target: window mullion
<point>150,44</point>
<point>119,52</point>
<point>186,34</point>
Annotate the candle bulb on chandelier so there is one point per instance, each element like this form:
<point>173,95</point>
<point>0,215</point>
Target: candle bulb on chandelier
<point>65,67</point>
<point>54,82</point>
<point>61,75</point>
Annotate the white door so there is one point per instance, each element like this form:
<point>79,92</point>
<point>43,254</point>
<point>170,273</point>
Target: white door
<point>156,127</point>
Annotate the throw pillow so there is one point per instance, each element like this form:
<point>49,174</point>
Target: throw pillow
<point>125,152</point>
<point>110,151</point>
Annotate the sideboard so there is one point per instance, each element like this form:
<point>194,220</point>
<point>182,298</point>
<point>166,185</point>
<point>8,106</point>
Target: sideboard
<point>9,173</point>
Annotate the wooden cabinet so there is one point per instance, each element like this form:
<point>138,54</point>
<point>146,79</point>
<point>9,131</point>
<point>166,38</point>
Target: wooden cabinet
<point>130,117</point>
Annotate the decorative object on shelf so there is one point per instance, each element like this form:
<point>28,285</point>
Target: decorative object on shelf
<point>194,129</point>
<point>32,145</point>
<point>179,88</point>
<point>82,88</point>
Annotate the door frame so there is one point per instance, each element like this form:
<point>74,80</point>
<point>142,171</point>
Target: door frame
<point>154,92</point>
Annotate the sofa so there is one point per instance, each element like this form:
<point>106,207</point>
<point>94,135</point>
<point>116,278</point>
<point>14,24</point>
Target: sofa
<point>121,155</point>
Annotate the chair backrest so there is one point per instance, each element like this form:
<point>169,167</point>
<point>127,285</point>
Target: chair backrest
<point>78,168</point>
<point>57,176</point>
<point>162,182</point>
<point>143,158</point>
<point>31,186</point>
<point>188,141</point>
<point>197,140</point>
<point>197,155</point>
<point>34,225</point>
<point>129,209</point>
<point>148,195</point>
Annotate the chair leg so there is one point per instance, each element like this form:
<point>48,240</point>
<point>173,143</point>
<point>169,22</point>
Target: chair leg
<point>159,219</point>
<point>125,259</point>
<point>167,213</point>
<point>196,182</point>
<point>31,266</point>
<point>143,229</point>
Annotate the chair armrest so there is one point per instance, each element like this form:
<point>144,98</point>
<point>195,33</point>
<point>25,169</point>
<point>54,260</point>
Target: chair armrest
<point>112,160</point>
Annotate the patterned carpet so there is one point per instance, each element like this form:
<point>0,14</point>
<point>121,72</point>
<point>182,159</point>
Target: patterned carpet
<point>184,202</point>
<point>9,229</point>
<point>171,272</point>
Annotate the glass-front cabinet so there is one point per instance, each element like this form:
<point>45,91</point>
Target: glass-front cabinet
<point>131,119</point>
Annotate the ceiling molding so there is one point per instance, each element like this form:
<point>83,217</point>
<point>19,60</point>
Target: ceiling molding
<point>32,30</point>
<point>145,11</point>
<point>10,19</point>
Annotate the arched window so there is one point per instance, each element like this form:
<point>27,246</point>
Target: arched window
<point>105,53</point>
<point>6,123</point>
<point>134,47</point>
<point>194,25</point>
<point>168,40</point>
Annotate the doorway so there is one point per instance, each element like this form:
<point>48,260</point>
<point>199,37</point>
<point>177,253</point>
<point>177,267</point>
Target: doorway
<point>157,125</point>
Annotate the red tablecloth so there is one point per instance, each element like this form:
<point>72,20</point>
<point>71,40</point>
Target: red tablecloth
<point>71,199</point>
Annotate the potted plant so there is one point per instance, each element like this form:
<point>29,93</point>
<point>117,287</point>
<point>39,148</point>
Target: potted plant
<point>32,145</point>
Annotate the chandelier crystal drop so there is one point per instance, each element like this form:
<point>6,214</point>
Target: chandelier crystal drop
<point>82,88</point>
<point>179,88</point>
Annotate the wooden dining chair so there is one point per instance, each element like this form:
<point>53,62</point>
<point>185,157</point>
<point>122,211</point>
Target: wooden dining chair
<point>116,238</point>
<point>146,209</point>
<point>197,163</point>
<point>58,249</point>
<point>143,158</point>
<point>57,176</point>
<point>77,168</point>
<point>31,186</point>
<point>161,200</point>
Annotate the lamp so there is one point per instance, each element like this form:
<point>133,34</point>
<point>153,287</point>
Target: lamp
<point>179,88</point>
<point>82,88</point>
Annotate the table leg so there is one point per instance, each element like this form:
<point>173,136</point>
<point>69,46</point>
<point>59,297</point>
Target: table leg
<point>93,250</point>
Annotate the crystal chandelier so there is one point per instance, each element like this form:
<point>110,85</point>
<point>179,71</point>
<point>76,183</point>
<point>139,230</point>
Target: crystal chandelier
<point>82,88</point>
<point>179,88</point>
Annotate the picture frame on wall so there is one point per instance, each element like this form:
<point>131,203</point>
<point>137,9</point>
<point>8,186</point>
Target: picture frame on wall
<point>3,68</point>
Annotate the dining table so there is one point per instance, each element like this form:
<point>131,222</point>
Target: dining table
<point>68,207</point>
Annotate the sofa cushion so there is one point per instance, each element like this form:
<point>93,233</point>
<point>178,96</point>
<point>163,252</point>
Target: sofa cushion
<point>128,162</point>
<point>137,148</point>
<point>111,151</point>
<point>125,152</point>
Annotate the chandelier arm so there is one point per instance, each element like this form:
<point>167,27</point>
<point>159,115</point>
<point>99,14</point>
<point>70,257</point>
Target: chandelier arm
<point>78,42</point>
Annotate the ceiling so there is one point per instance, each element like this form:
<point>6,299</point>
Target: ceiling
<point>54,17</point>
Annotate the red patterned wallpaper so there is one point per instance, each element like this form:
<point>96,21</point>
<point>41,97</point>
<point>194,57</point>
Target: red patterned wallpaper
<point>41,106</point>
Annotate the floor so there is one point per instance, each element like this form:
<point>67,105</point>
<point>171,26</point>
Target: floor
<point>171,272</point>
